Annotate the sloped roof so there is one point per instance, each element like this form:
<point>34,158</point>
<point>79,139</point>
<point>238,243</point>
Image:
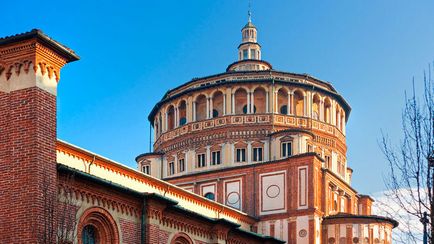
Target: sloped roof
<point>63,50</point>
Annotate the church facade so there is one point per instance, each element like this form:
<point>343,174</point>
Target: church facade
<point>252,155</point>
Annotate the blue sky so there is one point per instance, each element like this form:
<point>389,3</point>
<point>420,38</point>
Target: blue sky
<point>132,52</point>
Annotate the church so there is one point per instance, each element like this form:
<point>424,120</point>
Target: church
<point>250,155</point>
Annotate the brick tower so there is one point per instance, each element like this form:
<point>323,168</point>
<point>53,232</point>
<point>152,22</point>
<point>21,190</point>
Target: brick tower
<point>30,66</point>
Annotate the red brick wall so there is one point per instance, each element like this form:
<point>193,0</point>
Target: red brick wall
<point>163,236</point>
<point>155,235</point>
<point>250,184</point>
<point>27,159</point>
<point>130,231</point>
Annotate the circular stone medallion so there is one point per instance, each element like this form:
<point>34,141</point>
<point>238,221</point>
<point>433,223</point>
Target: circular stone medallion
<point>233,197</point>
<point>302,233</point>
<point>273,191</point>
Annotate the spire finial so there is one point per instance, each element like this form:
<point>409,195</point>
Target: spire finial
<point>249,12</point>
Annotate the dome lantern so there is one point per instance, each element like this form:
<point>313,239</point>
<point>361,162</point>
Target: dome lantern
<point>249,47</point>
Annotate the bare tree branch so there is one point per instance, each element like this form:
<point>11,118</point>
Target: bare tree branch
<point>59,218</point>
<point>409,182</point>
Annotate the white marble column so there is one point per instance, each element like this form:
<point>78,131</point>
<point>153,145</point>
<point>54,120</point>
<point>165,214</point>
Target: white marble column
<point>252,110</point>
<point>248,102</point>
<point>343,125</point>
<point>194,111</point>
<point>186,162</point>
<point>175,165</point>
<point>187,117</point>
<point>233,103</point>
<point>232,153</point>
<point>166,125</point>
<point>288,106</point>
<point>266,151</point>
<point>189,109</point>
<point>321,109</point>
<point>176,117</point>
<point>292,108</point>
<point>224,104</point>
<point>249,152</point>
<point>155,129</point>
<point>276,102</point>
<point>208,156</point>
<point>207,108</point>
<point>211,108</point>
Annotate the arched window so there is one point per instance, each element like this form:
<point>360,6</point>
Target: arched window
<point>96,225</point>
<point>210,196</point>
<point>89,235</point>
<point>181,238</point>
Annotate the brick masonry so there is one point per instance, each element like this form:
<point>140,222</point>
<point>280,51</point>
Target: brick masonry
<point>27,160</point>
<point>130,231</point>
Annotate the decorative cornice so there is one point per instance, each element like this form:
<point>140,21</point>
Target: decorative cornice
<point>43,38</point>
<point>99,199</point>
<point>352,218</point>
<point>185,132</point>
<point>33,49</point>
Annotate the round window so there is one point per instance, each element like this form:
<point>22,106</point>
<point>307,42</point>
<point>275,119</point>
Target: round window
<point>284,109</point>
<point>245,109</point>
<point>215,113</point>
<point>210,196</point>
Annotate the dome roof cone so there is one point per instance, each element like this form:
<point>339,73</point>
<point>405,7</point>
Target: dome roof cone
<point>249,22</point>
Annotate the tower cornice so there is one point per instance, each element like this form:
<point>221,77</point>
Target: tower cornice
<point>32,59</point>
